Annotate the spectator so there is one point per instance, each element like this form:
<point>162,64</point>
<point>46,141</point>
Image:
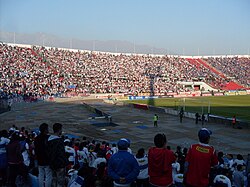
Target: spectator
<point>178,153</point>
<point>82,154</point>
<point>99,160</point>
<point>70,153</point>
<point>238,176</point>
<point>114,148</point>
<point>239,161</point>
<point>25,149</point>
<point>123,167</point>
<point>220,159</point>
<point>229,161</point>
<point>92,155</point>
<point>82,178</point>
<point>102,179</point>
<point>143,178</point>
<point>111,151</point>
<point>4,140</point>
<point>200,158</point>
<point>236,68</point>
<point>182,159</point>
<point>175,168</point>
<point>178,180</point>
<point>32,73</point>
<point>15,159</point>
<point>57,156</point>
<point>160,161</point>
<point>41,152</point>
<point>222,179</point>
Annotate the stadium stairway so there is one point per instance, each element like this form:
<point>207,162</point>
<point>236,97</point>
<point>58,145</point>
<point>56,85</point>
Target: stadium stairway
<point>204,63</point>
<point>194,62</point>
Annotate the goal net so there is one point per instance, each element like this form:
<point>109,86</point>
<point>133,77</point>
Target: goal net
<point>200,105</point>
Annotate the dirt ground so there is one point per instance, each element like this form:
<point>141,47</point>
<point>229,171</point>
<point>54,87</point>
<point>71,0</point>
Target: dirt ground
<point>135,124</point>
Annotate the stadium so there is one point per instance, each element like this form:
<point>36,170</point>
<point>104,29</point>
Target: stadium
<point>74,88</point>
<point>125,93</point>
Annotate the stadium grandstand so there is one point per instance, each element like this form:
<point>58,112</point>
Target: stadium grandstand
<point>43,71</point>
<point>31,73</point>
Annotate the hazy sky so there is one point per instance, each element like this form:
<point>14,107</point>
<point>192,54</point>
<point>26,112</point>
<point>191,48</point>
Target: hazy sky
<point>182,26</point>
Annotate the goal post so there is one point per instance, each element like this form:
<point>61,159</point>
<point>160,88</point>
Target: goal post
<point>201,105</point>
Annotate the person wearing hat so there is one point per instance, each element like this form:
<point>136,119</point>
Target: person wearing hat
<point>200,158</point>
<point>122,166</point>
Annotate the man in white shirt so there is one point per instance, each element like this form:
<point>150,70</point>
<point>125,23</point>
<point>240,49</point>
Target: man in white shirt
<point>222,179</point>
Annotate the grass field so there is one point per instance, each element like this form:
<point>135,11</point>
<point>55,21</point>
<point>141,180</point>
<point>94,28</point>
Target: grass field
<point>226,106</point>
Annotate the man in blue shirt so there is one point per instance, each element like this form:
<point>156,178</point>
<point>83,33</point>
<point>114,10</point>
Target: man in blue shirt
<point>123,167</point>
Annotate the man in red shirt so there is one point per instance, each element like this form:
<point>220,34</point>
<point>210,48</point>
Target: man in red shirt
<point>160,161</point>
<point>200,158</point>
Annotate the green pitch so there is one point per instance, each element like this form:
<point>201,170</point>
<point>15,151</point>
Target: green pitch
<point>226,106</point>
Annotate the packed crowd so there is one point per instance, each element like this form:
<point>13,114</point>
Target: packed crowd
<point>40,158</point>
<point>50,71</point>
<point>235,68</point>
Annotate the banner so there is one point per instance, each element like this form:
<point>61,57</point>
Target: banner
<point>142,97</point>
<point>242,92</point>
<point>141,106</point>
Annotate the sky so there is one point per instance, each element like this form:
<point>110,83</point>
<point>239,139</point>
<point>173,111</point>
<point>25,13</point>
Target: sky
<point>187,27</point>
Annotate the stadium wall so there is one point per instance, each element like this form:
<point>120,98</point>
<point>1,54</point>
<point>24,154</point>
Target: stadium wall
<point>156,55</point>
<point>4,106</point>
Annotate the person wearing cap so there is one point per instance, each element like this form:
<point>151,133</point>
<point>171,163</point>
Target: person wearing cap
<point>122,166</point>
<point>200,158</point>
<point>160,161</point>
